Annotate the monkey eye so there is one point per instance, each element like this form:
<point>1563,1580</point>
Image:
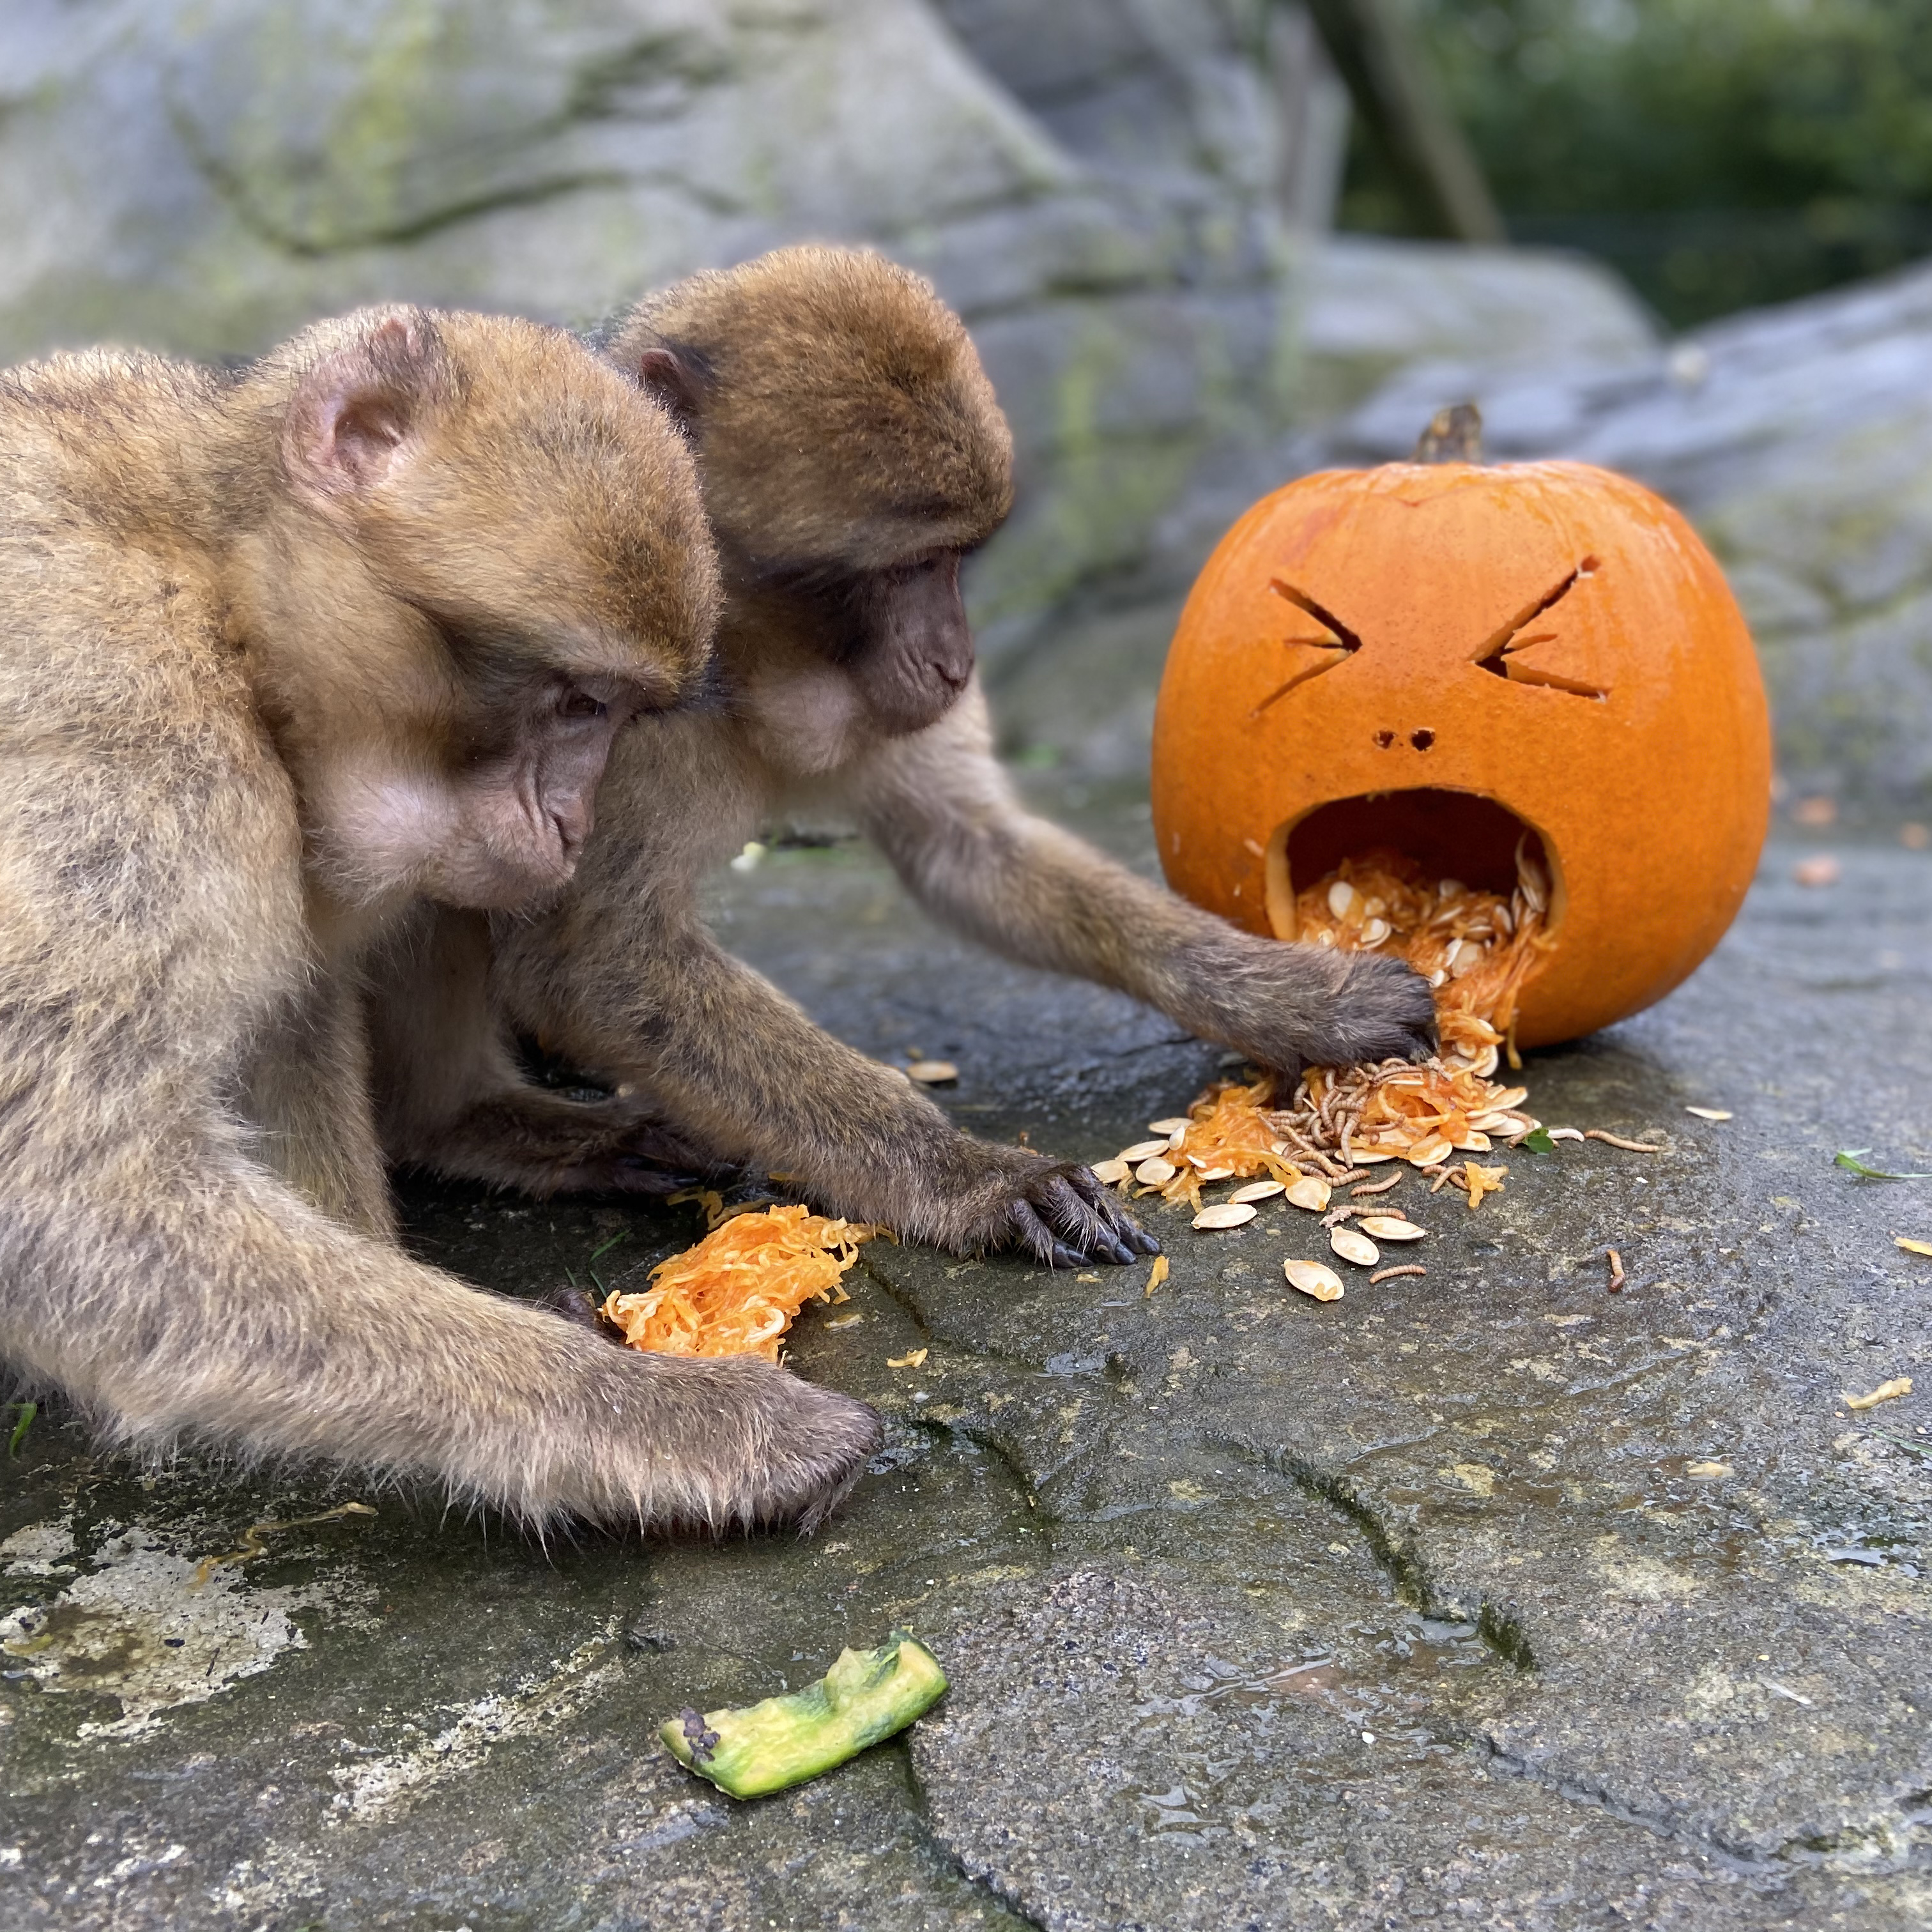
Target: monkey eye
<point>581,704</point>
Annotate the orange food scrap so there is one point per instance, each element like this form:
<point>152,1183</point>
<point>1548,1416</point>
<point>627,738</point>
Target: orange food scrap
<point>736,1292</point>
<point>1481,1181</point>
<point>1226,1136</point>
<point>1476,949</point>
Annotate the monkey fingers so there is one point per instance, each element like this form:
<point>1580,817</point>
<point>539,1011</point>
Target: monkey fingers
<point>1067,1224</point>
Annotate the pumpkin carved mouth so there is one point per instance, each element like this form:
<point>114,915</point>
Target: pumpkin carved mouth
<point>1450,835</point>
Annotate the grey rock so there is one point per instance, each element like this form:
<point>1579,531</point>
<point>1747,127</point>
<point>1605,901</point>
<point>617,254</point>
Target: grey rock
<point>1374,305</point>
<point>205,175</point>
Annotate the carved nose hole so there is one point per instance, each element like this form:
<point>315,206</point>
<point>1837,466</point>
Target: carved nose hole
<point>1422,740</point>
<point>1385,738</point>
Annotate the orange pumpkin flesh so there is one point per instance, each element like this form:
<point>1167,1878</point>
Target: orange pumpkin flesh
<point>1442,658</point>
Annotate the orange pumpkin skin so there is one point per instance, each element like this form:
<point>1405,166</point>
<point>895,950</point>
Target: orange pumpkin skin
<point>1623,720</point>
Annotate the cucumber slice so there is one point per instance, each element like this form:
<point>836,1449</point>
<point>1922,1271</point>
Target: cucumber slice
<point>867,1695</point>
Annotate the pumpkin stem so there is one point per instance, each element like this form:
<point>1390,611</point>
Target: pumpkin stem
<point>1454,435</point>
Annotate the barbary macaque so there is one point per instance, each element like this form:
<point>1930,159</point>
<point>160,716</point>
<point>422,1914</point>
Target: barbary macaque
<point>851,453</point>
<point>289,655</point>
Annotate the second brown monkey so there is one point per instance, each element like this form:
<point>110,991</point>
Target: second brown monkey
<point>850,453</point>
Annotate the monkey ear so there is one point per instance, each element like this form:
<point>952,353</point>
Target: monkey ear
<point>355,419</point>
<point>676,378</point>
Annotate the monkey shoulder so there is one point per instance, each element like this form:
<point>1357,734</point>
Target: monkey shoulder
<point>687,786</point>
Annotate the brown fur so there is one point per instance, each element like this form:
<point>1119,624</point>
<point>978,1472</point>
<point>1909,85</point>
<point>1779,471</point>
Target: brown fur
<point>850,448</point>
<point>284,652</point>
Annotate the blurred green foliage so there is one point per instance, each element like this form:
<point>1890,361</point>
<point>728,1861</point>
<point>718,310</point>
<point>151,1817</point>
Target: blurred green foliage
<point>1721,153</point>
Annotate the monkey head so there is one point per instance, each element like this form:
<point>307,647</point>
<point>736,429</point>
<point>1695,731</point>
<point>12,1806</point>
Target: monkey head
<point>850,452</point>
<point>490,555</point>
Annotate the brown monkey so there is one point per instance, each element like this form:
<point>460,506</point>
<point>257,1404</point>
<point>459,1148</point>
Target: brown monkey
<point>288,654</point>
<point>851,451</point>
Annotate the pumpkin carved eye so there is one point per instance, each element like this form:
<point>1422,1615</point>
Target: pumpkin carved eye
<point>1501,652</point>
<point>1336,645</point>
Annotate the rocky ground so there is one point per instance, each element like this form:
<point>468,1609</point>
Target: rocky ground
<point>1487,1598</point>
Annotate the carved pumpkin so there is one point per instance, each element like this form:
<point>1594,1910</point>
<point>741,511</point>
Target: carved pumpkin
<point>1443,657</point>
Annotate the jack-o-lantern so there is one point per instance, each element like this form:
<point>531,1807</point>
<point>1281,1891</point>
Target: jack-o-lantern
<point>1442,658</point>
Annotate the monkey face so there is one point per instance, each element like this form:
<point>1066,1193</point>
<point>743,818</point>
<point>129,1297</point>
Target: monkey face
<point>851,451</point>
<point>495,820</point>
<point>908,647</point>
<point>519,562</point>
<point>523,813</point>
<point>826,659</point>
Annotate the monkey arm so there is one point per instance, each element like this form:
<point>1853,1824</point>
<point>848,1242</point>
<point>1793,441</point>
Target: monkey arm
<point>234,1316</point>
<point>941,807</point>
<point>179,1292</point>
<point>657,1003</point>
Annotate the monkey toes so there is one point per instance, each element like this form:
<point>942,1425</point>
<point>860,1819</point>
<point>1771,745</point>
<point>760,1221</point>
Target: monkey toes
<point>1056,1209</point>
<point>818,1445</point>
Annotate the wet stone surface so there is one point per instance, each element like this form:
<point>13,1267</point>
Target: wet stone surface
<point>1488,1598</point>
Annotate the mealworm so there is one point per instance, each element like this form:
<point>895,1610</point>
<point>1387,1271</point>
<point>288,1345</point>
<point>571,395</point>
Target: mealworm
<point>1618,1141</point>
<point>1389,1273</point>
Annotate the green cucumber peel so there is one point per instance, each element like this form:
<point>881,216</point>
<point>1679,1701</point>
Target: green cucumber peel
<point>1852,1160</point>
<point>867,1695</point>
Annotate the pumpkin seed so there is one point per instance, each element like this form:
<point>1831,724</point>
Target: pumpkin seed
<point>932,1072</point>
<point>1227,1214</point>
<point>1375,931</point>
<point>1429,1153</point>
<point>1258,1190</point>
<point>1354,1247</point>
<point>1341,898</point>
<point>1154,1172</point>
<point>1168,1126</point>
<point>1391,1228</point>
<point>1142,1150</point>
<point>1324,1284</point>
<point>1113,1172</point>
<point>1310,1192</point>
<point>1212,1173</point>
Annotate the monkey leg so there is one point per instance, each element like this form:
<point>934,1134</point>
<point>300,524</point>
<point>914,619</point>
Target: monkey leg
<point>542,1144</point>
<point>744,1071</point>
<point>453,1099</point>
<point>943,811</point>
<point>227,1312</point>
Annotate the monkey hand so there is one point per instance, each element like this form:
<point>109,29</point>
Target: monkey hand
<point>991,1197</point>
<point>1289,1006</point>
<point>728,1442</point>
